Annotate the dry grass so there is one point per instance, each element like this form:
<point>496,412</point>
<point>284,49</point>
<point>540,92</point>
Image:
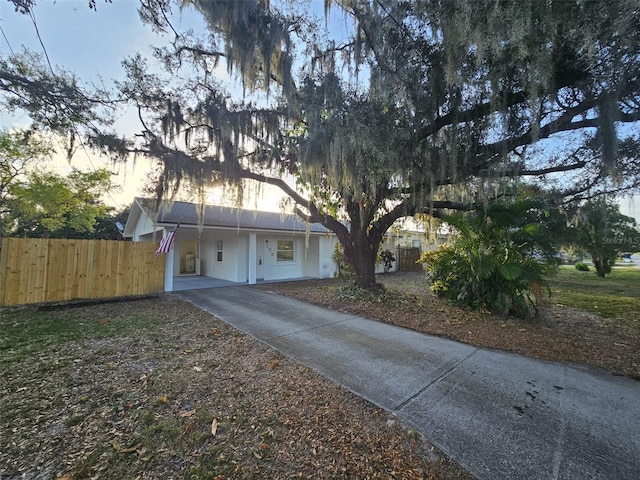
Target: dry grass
<point>159,389</point>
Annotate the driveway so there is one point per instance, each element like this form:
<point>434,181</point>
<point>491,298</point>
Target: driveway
<point>500,415</point>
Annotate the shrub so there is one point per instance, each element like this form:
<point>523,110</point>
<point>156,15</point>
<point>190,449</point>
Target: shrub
<point>344,268</point>
<point>493,264</point>
<point>387,258</point>
<point>583,267</point>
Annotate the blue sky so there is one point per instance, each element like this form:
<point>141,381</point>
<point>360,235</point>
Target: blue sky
<point>89,42</point>
<point>92,44</point>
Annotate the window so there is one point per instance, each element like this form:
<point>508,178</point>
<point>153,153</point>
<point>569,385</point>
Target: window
<point>286,251</point>
<point>219,251</point>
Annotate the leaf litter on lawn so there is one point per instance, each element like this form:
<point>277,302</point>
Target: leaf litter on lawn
<point>157,388</point>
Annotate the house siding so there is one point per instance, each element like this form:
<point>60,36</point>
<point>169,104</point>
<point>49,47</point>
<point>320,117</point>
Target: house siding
<point>312,246</point>
<point>145,227</point>
<point>326,247</point>
<point>233,255</point>
<point>315,261</point>
<point>274,270</point>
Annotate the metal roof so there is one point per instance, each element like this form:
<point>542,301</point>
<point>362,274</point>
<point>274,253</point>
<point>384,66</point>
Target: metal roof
<point>186,213</point>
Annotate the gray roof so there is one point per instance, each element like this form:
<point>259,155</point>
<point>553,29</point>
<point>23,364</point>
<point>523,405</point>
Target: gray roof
<point>186,213</point>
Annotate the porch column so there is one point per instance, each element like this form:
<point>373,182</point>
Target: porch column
<point>252,259</point>
<point>168,270</point>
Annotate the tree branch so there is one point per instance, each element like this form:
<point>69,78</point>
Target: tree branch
<point>546,171</point>
<point>199,51</point>
<point>314,215</point>
<point>475,113</point>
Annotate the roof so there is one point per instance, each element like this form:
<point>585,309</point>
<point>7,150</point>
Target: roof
<point>186,213</point>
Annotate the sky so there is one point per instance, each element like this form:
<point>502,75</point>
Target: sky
<point>92,44</point>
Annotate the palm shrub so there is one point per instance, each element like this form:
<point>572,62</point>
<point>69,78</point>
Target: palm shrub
<point>497,261</point>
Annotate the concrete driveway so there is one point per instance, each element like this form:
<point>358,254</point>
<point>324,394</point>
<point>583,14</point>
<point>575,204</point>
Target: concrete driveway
<point>500,415</point>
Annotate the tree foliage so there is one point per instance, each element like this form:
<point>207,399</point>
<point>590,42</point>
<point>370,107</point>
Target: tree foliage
<point>415,107</point>
<point>19,151</point>
<point>54,98</point>
<point>457,96</point>
<point>50,205</point>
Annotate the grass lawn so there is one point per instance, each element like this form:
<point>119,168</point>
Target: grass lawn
<point>616,296</point>
<point>158,389</point>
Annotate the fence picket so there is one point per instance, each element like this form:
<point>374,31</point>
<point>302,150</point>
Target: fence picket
<point>53,270</point>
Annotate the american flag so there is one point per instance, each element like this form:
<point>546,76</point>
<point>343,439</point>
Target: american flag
<point>167,241</point>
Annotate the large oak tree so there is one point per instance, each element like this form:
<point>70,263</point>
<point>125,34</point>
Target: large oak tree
<point>415,107</point>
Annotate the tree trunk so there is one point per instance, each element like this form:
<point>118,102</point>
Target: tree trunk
<point>599,263</point>
<point>361,241</point>
<point>361,253</point>
<point>365,268</point>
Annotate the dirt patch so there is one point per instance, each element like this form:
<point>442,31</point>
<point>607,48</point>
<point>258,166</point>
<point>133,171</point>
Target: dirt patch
<point>561,334</point>
<point>159,389</point>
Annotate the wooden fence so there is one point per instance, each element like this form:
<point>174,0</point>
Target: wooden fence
<point>34,270</point>
<point>407,258</point>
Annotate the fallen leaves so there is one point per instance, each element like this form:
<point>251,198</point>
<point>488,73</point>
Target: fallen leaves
<point>563,334</point>
<point>189,426</point>
<point>152,416</point>
<point>117,447</point>
<point>151,395</point>
<point>273,364</point>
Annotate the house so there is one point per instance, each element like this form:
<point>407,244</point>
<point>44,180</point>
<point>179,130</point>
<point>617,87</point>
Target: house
<point>233,244</point>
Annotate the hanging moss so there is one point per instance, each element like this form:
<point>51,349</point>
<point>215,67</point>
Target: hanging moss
<point>458,92</point>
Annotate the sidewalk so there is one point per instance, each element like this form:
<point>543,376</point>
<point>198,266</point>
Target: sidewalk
<point>500,415</point>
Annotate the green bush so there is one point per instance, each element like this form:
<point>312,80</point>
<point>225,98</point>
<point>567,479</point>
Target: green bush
<point>497,262</point>
<point>387,259</point>
<point>583,267</point>
<point>344,268</point>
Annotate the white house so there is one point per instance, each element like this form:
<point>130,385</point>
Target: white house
<point>233,244</point>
